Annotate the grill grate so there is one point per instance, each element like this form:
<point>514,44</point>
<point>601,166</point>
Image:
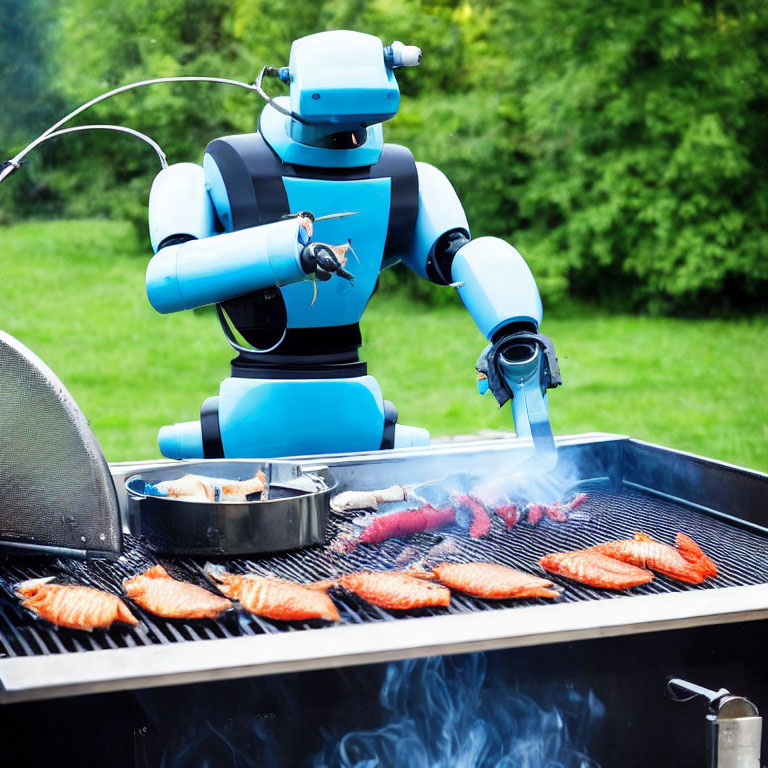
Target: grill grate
<point>741,554</point>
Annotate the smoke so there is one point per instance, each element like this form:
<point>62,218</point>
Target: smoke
<point>442,712</point>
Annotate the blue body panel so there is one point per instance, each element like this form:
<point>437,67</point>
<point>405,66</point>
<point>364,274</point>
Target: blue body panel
<point>275,129</point>
<point>498,287</point>
<point>282,417</point>
<point>179,204</point>
<point>181,441</point>
<point>201,272</point>
<point>440,211</point>
<point>338,301</point>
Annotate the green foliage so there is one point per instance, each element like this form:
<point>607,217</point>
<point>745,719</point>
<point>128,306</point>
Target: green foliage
<point>646,176</point>
<point>621,147</point>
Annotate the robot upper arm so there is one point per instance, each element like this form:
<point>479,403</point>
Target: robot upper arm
<point>179,206</point>
<point>440,213</point>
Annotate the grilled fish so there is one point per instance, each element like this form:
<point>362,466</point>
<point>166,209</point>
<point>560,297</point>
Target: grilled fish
<point>493,581</point>
<point>276,598</point>
<point>691,551</point>
<point>644,552</point>
<point>73,606</point>
<point>395,590</point>
<point>158,593</point>
<point>594,569</point>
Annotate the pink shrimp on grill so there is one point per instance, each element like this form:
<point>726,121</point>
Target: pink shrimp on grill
<point>507,512</point>
<point>481,521</point>
<point>645,552</point>
<point>407,522</point>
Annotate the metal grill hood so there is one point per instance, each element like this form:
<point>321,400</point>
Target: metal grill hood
<point>56,491</point>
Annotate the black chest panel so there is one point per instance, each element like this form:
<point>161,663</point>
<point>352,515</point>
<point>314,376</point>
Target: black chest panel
<point>253,175</point>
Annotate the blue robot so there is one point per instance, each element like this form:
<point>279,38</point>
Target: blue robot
<point>316,195</point>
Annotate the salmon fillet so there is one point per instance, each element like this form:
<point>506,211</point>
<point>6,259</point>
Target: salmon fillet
<point>692,552</point>
<point>276,598</point>
<point>594,569</point>
<point>395,590</point>
<point>155,591</point>
<point>644,552</point>
<point>492,581</point>
<point>73,606</point>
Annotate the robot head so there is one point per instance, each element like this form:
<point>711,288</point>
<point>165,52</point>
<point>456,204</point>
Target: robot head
<point>342,82</point>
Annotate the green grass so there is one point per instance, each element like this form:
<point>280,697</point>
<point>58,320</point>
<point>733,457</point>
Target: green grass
<point>73,291</point>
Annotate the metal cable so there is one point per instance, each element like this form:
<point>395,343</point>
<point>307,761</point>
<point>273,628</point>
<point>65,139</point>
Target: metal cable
<point>119,128</point>
<point>114,92</point>
<point>12,165</point>
<point>272,72</point>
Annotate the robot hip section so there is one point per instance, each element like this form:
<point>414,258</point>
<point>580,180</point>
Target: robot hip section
<point>291,417</point>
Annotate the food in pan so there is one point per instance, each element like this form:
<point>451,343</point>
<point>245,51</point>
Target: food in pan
<point>407,522</point>
<point>395,590</point>
<point>239,490</point>
<point>186,487</point>
<point>155,591</point>
<point>493,581</point>
<point>645,552</point>
<point>201,488</point>
<point>343,502</point>
<point>73,606</point>
<point>275,598</point>
<point>691,551</point>
<point>595,569</point>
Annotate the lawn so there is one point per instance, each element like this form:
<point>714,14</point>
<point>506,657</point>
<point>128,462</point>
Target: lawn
<point>73,291</point>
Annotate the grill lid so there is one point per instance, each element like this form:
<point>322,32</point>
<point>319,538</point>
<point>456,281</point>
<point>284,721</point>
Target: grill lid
<point>56,491</point>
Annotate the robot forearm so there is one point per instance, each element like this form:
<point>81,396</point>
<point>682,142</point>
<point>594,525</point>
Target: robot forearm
<point>496,285</point>
<point>199,272</point>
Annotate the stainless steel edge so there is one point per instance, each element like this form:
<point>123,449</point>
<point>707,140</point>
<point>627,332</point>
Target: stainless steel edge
<point>44,677</point>
<point>694,456</point>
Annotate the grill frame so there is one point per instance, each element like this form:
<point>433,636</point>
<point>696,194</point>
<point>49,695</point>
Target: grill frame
<point>663,472</point>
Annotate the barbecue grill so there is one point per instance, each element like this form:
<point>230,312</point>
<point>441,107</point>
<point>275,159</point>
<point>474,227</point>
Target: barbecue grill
<point>588,640</point>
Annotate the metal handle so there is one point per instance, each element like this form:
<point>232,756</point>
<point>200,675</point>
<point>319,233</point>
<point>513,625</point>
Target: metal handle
<point>682,690</point>
<point>734,727</point>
